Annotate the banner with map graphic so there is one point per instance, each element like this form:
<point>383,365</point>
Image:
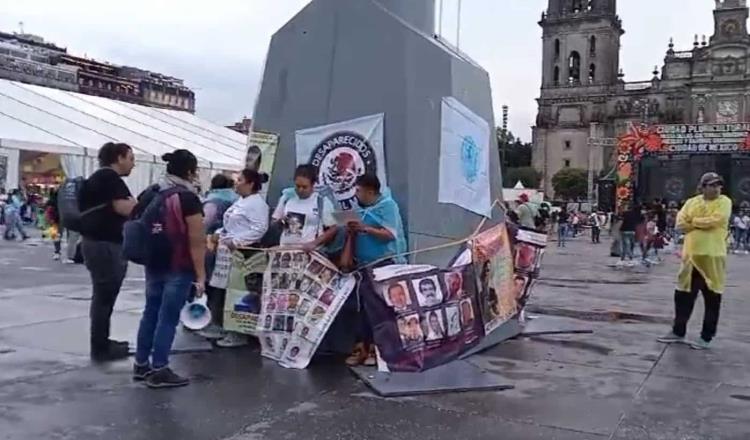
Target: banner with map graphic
<point>342,152</point>
<point>302,294</point>
<point>464,158</point>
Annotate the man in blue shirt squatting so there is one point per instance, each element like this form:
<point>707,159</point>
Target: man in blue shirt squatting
<point>378,238</point>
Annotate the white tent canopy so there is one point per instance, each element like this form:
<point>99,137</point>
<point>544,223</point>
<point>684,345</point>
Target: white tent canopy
<point>76,125</point>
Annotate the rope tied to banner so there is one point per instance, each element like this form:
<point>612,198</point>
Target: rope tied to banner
<point>496,204</point>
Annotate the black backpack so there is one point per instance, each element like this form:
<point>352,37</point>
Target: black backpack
<point>145,239</point>
<point>68,206</point>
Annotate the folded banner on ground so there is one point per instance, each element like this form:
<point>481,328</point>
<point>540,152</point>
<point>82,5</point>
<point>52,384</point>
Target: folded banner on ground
<point>422,316</point>
<point>302,295</point>
<point>244,290</point>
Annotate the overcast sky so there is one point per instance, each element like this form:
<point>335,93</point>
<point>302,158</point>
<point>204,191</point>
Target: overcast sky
<point>219,46</point>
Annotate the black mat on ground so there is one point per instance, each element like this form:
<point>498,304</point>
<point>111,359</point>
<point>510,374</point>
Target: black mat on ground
<point>453,377</point>
<point>184,342</point>
<point>547,325</point>
<point>508,330</point>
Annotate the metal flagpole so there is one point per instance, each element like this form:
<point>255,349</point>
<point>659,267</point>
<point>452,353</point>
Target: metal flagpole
<point>440,19</point>
<point>458,28</point>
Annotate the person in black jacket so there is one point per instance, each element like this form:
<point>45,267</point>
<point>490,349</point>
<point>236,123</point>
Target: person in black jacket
<point>630,221</point>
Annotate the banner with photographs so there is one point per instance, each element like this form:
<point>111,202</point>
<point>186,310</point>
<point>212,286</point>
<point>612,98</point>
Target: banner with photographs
<point>529,250</point>
<point>302,295</point>
<point>244,291</point>
<point>261,153</point>
<point>342,152</point>
<point>493,258</point>
<point>422,316</point>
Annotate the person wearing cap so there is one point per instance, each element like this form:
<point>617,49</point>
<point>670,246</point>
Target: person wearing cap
<point>705,221</point>
<point>525,212</point>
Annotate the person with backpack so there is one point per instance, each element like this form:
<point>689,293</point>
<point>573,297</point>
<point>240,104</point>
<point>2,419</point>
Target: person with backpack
<point>174,249</point>
<point>306,216</point>
<point>245,224</point>
<point>219,198</point>
<point>105,203</point>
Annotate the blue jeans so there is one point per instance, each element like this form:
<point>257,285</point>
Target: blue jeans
<point>627,243</point>
<point>562,234</point>
<point>166,293</point>
<point>13,222</point>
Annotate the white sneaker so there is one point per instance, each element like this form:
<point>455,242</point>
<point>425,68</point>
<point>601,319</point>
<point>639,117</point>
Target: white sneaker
<point>68,261</point>
<point>232,340</point>
<point>56,257</point>
<point>213,331</point>
<point>747,252</point>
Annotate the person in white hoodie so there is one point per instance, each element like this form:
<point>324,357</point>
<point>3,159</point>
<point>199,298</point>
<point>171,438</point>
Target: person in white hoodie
<point>245,223</point>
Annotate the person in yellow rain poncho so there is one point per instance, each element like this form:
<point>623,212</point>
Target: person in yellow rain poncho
<point>705,221</point>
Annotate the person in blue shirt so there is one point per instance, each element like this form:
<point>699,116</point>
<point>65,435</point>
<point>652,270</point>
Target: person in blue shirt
<point>378,239</point>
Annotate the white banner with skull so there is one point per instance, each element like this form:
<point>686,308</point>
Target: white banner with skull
<point>342,152</point>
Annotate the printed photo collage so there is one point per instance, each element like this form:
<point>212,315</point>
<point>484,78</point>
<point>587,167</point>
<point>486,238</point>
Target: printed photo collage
<point>431,308</point>
<point>529,251</point>
<point>300,288</point>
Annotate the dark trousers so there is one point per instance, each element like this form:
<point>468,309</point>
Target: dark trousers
<point>595,233</point>
<point>215,301</point>
<point>685,301</point>
<point>107,268</point>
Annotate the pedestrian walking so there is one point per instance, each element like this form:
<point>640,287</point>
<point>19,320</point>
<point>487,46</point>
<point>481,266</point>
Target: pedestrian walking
<point>108,203</point>
<point>169,280</point>
<point>630,221</point>
<point>740,226</point>
<point>562,227</point>
<point>13,219</point>
<point>595,220</point>
<point>704,219</point>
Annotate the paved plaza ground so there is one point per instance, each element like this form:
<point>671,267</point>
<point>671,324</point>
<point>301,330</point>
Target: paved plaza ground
<point>616,383</point>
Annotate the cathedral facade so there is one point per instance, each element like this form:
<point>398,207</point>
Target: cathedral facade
<point>584,97</point>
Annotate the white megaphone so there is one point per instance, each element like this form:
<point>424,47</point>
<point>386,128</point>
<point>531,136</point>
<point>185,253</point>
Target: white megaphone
<point>196,315</point>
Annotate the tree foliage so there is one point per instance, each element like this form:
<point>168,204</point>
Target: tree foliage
<point>529,177</point>
<point>570,184</point>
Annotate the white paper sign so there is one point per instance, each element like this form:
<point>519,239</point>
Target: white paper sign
<point>342,152</point>
<point>220,276</point>
<point>464,158</point>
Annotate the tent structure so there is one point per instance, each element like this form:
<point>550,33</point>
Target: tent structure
<point>74,126</point>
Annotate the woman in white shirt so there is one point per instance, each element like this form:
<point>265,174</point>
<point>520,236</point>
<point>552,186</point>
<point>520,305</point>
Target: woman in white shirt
<point>306,217</point>
<point>245,223</point>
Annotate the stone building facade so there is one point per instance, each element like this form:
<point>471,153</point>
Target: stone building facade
<point>584,95</point>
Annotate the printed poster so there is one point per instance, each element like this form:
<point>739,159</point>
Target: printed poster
<point>464,158</point>
<point>302,295</point>
<point>342,152</point>
<point>222,267</point>
<point>529,250</point>
<point>493,260</point>
<point>244,291</point>
<point>261,153</point>
<point>422,316</point>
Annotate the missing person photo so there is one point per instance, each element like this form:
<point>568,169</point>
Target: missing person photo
<point>275,281</point>
<point>519,286</point>
<point>304,307</point>
<point>289,324</point>
<point>435,326</point>
<point>294,352</point>
<point>281,302</point>
<point>286,260</point>
<point>276,260</point>
<point>292,301</point>
<point>271,303</point>
<point>454,320</point>
<point>428,291</point>
<point>454,281</point>
<point>467,314</point>
<point>298,260</point>
<point>317,314</point>
<point>410,330</point>
<point>305,284</point>
<point>527,257</point>
<point>267,322</point>
<point>279,323</point>
<point>295,223</point>
<point>327,297</point>
<point>283,281</point>
<point>326,275</point>
<point>315,290</point>
<point>397,295</point>
<point>315,267</point>
<point>284,343</point>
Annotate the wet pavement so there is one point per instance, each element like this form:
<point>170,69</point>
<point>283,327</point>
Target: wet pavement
<point>617,383</point>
